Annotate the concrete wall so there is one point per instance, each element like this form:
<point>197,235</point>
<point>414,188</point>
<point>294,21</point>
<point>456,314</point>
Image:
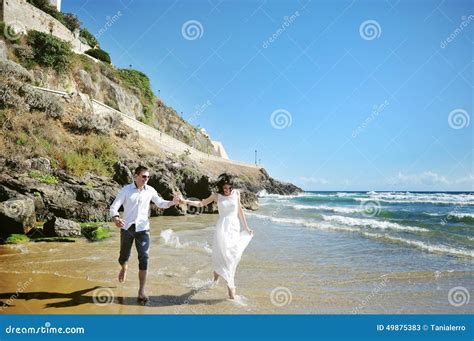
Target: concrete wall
<point>167,142</point>
<point>29,17</point>
<point>219,148</point>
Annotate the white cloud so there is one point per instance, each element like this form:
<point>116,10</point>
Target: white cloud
<point>313,181</point>
<point>428,178</point>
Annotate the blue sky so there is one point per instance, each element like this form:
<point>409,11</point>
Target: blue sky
<point>334,95</point>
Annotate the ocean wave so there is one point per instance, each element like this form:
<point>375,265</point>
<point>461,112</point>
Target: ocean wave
<point>377,224</point>
<point>424,246</point>
<point>415,200</point>
<point>434,198</point>
<point>337,209</point>
<point>264,194</point>
<point>171,239</point>
<point>461,215</point>
<point>302,222</point>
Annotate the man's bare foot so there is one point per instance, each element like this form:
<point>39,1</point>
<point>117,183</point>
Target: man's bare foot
<point>231,293</point>
<point>143,298</point>
<point>122,275</point>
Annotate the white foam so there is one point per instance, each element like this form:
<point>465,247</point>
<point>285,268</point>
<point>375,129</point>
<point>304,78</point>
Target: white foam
<point>302,222</point>
<point>461,215</point>
<point>337,209</point>
<point>429,198</point>
<point>377,224</point>
<point>239,300</point>
<point>171,239</point>
<point>424,246</point>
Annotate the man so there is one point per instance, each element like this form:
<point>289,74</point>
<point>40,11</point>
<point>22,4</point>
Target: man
<point>135,226</point>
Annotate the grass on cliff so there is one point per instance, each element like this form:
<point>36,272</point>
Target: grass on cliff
<point>43,136</point>
<point>45,178</point>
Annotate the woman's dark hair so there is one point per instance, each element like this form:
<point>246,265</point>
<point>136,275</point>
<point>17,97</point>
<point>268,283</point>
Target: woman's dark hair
<point>224,179</point>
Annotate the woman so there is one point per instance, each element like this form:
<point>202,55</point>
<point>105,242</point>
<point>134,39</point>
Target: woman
<point>229,241</point>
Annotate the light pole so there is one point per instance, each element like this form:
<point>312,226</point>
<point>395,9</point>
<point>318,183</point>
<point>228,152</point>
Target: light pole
<point>256,157</point>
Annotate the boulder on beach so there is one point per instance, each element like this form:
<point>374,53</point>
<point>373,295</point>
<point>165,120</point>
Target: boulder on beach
<point>17,216</point>
<point>59,227</point>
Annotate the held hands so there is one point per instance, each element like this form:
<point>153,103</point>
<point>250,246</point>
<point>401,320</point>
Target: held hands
<point>177,199</point>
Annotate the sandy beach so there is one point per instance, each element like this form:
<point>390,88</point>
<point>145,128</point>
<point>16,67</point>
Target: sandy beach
<point>283,271</point>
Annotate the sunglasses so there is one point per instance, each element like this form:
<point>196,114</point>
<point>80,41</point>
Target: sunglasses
<point>145,176</point>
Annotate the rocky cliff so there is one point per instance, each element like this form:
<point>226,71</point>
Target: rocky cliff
<point>59,159</point>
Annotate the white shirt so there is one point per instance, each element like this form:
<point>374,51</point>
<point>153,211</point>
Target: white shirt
<point>136,205</point>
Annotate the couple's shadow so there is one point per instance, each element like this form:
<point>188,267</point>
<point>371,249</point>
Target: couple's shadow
<point>103,296</point>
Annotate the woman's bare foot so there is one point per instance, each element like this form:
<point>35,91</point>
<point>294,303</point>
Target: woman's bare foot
<point>122,274</point>
<point>231,293</point>
<point>215,280</point>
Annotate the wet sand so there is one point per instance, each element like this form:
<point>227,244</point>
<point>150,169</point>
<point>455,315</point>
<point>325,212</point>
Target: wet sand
<point>280,273</point>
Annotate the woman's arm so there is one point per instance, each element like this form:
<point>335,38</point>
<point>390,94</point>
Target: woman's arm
<point>242,216</point>
<point>201,203</point>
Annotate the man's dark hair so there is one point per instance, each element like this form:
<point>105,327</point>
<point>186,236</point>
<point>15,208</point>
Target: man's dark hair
<point>140,169</point>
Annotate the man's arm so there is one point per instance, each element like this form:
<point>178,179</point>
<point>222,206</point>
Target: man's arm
<point>114,214</point>
<point>201,203</point>
<point>160,202</point>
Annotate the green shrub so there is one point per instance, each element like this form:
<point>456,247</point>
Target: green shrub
<point>88,37</point>
<point>95,231</point>
<point>46,7</point>
<point>100,55</point>
<point>95,154</point>
<point>139,80</point>
<point>45,178</point>
<point>70,20</point>
<point>50,51</point>
<point>17,238</point>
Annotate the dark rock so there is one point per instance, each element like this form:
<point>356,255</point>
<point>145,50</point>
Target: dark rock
<point>59,227</point>
<point>17,216</point>
<point>122,174</point>
<point>41,163</point>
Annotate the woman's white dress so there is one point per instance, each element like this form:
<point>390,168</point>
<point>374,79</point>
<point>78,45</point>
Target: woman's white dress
<point>229,241</point>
